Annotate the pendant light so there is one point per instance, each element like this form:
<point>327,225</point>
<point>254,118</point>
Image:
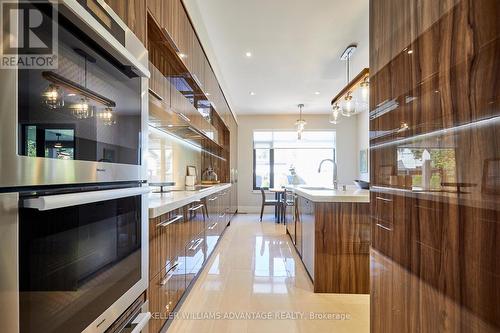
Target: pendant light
<point>82,110</point>
<point>365,90</point>
<point>107,116</point>
<point>58,143</point>
<point>53,96</point>
<point>348,104</point>
<point>335,114</point>
<point>300,123</point>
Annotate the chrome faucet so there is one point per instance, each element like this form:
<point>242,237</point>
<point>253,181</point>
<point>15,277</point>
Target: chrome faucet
<point>335,182</point>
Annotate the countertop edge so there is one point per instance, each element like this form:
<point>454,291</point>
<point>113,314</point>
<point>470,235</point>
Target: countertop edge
<point>334,198</point>
<point>175,204</point>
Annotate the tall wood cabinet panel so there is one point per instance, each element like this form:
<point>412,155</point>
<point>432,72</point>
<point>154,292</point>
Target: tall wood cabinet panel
<point>435,78</point>
<point>133,13</point>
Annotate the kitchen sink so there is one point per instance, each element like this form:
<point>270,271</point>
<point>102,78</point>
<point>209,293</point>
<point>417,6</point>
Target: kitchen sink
<point>316,188</point>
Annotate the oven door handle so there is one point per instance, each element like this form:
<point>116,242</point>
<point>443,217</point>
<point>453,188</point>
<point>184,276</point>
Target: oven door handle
<point>140,321</point>
<point>76,199</point>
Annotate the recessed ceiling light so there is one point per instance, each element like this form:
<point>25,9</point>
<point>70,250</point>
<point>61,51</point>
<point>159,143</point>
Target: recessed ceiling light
<point>317,93</point>
<point>248,54</point>
<point>252,93</point>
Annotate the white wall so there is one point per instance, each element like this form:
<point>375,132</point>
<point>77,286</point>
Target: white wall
<point>363,124</point>
<point>347,150</point>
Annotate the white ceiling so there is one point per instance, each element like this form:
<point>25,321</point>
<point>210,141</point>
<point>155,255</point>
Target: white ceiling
<point>295,46</point>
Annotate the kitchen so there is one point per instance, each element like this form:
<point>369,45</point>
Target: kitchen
<point>208,166</point>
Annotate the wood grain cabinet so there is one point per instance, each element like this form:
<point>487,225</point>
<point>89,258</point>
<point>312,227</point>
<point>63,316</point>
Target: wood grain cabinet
<point>434,78</point>
<point>197,65</point>
<point>180,243</point>
<point>195,249</point>
<point>134,14</point>
<point>159,86</point>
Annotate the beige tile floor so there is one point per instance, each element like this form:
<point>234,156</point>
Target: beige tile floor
<point>255,272</point>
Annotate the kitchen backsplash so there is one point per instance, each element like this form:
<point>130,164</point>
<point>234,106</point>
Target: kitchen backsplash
<point>168,158</point>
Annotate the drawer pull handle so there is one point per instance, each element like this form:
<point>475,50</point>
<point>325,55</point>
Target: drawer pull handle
<point>183,116</point>
<point>166,223</point>
<point>383,199</point>
<point>196,245</point>
<point>192,209</point>
<point>155,94</point>
<point>169,274</point>
<point>213,226</point>
<point>383,227</point>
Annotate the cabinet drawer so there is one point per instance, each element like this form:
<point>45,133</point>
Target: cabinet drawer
<point>165,240</point>
<point>196,217</point>
<point>165,291</point>
<point>195,257</point>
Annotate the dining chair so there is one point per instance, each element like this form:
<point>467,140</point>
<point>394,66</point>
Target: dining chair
<point>267,202</point>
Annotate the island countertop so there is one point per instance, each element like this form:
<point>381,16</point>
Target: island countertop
<point>161,203</point>
<point>328,194</point>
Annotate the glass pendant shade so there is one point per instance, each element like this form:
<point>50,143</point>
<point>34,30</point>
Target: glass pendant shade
<point>364,88</point>
<point>300,123</point>
<point>53,97</point>
<point>82,110</point>
<point>349,106</point>
<point>335,115</point>
<point>107,117</point>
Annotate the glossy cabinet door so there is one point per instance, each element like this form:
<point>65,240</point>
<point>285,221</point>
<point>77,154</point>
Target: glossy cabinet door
<point>308,234</point>
<point>197,68</point>
<point>290,215</point>
<point>195,247</point>
<point>159,87</point>
<point>212,223</point>
<point>298,226</point>
<point>167,234</point>
<point>164,292</point>
<point>133,14</point>
<point>195,256</point>
<point>165,241</point>
<point>434,165</point>
<point>158,11</point>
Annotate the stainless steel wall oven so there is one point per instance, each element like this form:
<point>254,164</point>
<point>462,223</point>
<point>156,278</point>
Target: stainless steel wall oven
<point>84,121</point>
<point>73,200</point>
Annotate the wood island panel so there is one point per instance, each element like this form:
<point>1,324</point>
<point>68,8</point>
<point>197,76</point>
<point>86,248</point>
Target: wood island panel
<point>342,247</point>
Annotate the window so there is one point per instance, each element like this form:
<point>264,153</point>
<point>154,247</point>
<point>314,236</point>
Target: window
<point>280,159</point>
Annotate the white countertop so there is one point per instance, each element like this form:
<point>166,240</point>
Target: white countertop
<point>161,203</point>
<point>352,193</point>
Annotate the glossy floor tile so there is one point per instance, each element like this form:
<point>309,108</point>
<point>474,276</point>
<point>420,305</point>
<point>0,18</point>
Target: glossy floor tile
<point>255,282</point>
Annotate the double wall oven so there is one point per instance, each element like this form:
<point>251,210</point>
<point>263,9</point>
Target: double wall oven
<point>73,193</point>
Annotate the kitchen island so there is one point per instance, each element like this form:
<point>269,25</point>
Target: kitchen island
<point>331,233</point>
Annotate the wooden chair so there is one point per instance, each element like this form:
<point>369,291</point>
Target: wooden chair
<point>266,202</point>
